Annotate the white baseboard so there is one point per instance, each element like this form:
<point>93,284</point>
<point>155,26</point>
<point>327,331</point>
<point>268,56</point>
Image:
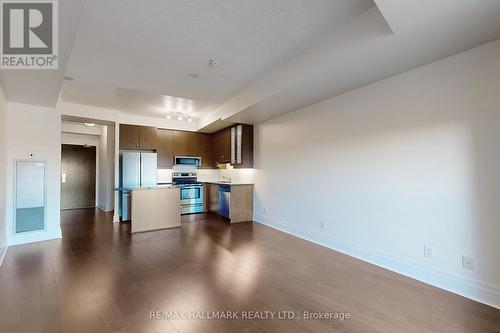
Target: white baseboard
<point>3,253</point>
<point>476,290</point>
<point>103,208</point>
<point>34,237</point>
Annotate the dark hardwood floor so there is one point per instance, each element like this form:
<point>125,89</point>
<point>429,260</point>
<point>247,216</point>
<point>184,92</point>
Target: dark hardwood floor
<point>99,278</point>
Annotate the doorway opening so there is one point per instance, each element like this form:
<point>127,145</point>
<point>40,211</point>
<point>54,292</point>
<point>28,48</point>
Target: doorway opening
<point>93,185</point>
<point>78,176</point>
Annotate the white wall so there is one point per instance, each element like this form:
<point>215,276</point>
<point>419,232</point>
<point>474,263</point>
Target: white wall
<point>3,172</point>
<point>404,162</point>
<point>80,128</point>
<point>37,130</point>
<point>110,168</point>
<point>102,169</point>
<point>79,139</point>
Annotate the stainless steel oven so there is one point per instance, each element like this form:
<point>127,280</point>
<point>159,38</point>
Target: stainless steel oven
<point>191,198</point>
<point>192,194</point>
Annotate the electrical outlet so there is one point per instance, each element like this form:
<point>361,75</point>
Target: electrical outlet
<point>468,262</point>
<point>324,224</point>
<point>264,210</point>
<point>428,251</point>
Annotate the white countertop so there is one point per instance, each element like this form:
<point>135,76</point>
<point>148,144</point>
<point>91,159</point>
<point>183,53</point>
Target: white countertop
<point>160,187</point>
<point>228,183</point>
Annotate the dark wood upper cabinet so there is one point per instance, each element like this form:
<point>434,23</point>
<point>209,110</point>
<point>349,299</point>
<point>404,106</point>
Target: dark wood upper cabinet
<point>165,148</point>
<point>221,146</point>
<point>138,137</point>
<point>129,137</point>
<point>181,143</point>
<point>195,144</point>
<point>148,138</point>
<point>234,145</point>
<point>206,155</point>
<point>244,147</point>
<point>230,145</point>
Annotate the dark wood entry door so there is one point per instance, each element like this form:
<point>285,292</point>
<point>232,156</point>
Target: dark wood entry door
<point>78,178</point>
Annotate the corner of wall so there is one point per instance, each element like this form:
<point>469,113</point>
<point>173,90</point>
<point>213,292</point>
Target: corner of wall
<point>3,176</point>
<point>3,253</point>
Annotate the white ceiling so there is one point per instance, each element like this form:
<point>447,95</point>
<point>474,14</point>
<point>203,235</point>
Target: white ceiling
<point>276,56</point>
<point>148,48</point>
<point>153,105</point>
<point>43,87</point>
<point>394,37</point>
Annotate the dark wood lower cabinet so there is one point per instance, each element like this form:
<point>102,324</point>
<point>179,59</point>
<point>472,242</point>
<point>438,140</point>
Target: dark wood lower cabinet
<point>213,198</point>
<point>240,205</point>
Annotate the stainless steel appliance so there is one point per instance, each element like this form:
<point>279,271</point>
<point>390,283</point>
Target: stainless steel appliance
<point>236,142</point>
<point>192,194</point>
<point>137,169</point>
<point>188,160</point>
<point>224,200</point>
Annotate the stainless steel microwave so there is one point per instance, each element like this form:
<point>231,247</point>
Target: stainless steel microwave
<point>187,160</point>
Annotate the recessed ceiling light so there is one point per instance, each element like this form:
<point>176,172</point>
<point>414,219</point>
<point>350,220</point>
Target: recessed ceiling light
<point>190,119</point>
<point>214,62</point>
<point>169,116</point>
<point>179,118</point>
<point>68,78</point>
<point>193,75</point>
<point>90,124</point>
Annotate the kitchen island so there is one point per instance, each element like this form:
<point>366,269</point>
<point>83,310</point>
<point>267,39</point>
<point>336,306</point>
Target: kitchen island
<point>155,209</point>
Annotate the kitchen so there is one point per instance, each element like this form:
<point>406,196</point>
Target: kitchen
<point>167,173</point>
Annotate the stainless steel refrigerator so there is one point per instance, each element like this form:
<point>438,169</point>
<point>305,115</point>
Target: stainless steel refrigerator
<point>138,169</point>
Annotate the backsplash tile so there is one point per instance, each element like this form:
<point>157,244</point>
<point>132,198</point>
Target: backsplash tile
<point>164,175</point>
<point>208,175</point>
